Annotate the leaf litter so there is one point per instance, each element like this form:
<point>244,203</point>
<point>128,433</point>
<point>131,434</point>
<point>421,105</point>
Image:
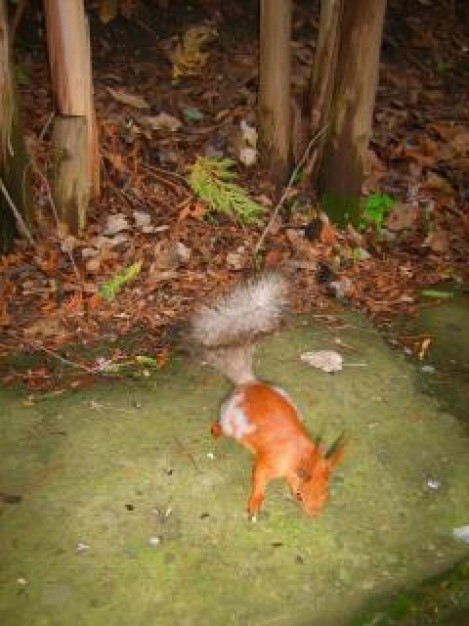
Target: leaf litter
<point>149,218</point>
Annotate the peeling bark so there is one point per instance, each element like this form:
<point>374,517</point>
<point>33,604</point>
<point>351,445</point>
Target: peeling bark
<point>70,65</point>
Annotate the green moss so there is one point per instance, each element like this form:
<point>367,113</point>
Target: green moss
<point>341,210</point>
<point>131,512</point>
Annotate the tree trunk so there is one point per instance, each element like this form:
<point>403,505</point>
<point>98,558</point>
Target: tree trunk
<point>14,165</point>
<point>70,65</point>
<point>325,63</point>
<point>70,181</point>
<point>274,85</point>
<point>349,126</point>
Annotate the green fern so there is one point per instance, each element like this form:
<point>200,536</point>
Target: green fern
<point>213,182</point>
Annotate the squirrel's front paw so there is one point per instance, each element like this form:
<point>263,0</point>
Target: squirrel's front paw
<point>254,506</point>
<point>216,429</point>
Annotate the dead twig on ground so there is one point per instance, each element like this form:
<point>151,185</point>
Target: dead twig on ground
<point>65,247</point>
<point>84,368</point>
<point>287,189</point>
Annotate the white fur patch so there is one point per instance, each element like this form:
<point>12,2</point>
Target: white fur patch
<point>233,420</point>
<point>285,395</point>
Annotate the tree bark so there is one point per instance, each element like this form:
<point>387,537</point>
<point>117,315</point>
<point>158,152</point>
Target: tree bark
<point>70,186</point>
<point>325,63</point>
<point>14,164</point>
<point>349,125</point>
<point>274,85</point>
<point>70,65</point>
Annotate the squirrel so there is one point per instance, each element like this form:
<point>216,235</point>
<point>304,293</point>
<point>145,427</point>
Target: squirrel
<point>260,416</point>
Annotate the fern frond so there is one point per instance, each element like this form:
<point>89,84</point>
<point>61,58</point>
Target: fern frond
<point>213,182</point>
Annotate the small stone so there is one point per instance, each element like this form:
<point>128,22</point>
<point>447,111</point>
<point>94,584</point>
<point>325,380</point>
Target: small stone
<point>82,547</point>
<point>433,484</point>
<point>461,533</point>
<point>154,541</point>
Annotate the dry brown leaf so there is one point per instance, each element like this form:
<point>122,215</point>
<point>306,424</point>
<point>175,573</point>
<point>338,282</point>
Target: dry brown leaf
<point>129,99</point>
<point>74,304</point>
<point>328,234</point>
<point>423,348</point>
<point>437,241</point>
<point>196,210</point>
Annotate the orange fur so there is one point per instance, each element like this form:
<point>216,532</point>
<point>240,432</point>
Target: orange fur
<point>281,445</point>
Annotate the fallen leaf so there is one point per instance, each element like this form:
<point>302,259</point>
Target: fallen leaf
<point>74,304</point>
<point>116,223</point>
<point>248,156</point>
<point>435,182</point>
<point>142,219</point>
<point>235,260</point>
<point>137,102</point>
<point>187,58</point>
<point>328,234</point>
<point>197,210</point>
<point>325,360</point>
<point>437,241</point>
<point>166,256</point>
<point>162,121</point>
<point>423,349</point>
<point>402,217</point>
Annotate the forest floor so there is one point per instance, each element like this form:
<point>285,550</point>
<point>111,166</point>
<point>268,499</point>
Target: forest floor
<point>150,220</point>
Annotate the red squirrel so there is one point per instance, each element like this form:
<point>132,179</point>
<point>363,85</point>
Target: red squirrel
<point>258,415</point>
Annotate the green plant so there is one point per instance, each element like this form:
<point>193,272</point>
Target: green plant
<point>375,210</point>
<point>213,182</point>
<point>110,289</point>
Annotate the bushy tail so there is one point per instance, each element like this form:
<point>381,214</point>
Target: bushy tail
<point>228,329</point>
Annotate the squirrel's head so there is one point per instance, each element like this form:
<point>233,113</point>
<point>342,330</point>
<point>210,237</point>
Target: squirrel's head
<point>314,478</point>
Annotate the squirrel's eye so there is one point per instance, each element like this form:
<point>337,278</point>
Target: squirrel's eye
<point>299,496</point>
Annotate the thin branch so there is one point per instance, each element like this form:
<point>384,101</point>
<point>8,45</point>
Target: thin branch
<point>163,176</point>
<point>284,195</point>
<point>22,227</point>
<point>56,216</point>
<point>62,359</point>
<point>45,128</point>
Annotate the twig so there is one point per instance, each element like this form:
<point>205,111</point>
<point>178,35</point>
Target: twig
<point>57,220</point>
<point>22,227</point>
<point>89,370</point>
<point>163,175</point>
<point>46,125</point>
<point>285,193</point>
